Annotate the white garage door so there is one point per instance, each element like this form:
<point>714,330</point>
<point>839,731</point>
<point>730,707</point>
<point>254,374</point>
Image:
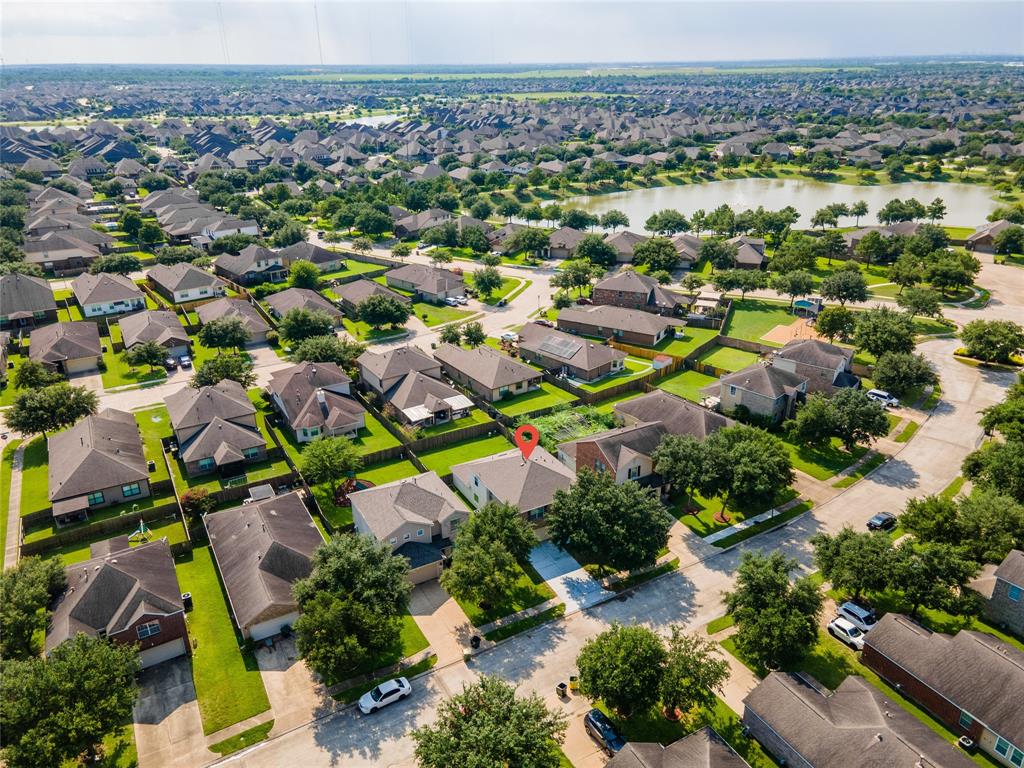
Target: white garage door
<point>272,626</point>
<point>163,652</point>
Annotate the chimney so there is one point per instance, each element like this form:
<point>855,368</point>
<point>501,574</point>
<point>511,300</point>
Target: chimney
<point>320,397</point>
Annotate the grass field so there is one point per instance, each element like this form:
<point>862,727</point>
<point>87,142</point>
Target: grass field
<point>434,314</point>
<point>701,518</point>
<point>634,368</point>
<point>35,482</point>
<point>120,374</point>
<point>508,284</point>
<point>388,471</point>
<point>364,332</point>
<point>228,684</point>
<point>547,396</point>
<point>825,462</point>
<point>728,359</point>
<point>242,740</point>
<point>476,416</point>
<point>686,384</point>
<point>684,347</point>
<point>442,459</point>
<point>529,590</point>
<point>753,318</point>
<point>170,528</point>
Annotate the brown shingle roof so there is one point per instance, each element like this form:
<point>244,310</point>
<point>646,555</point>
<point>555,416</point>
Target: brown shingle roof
<point>101,451</point>
<point>64,341</point>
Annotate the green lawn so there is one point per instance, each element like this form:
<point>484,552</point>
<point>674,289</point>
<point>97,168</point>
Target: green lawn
<point>441,460</point>
<point>120,374</point>
<point>764,525</point>
<point>476,416</point>
<point>508,284</point>
<point>529,590</point>
<point>227,680</point>
<point>119,750</point>
<point>728,359</point>
<point>8,394</point>
<point>364,332</point>
<point>439,314</point>
<point>6,469</point>
<point>608,406</point>
<point>717,625</point>
<point>684,347</point>
<point>870,465</point>
<point>700,517</point>
<point>155,424</point>
<point>212,482</point>
<point>351,695</point>
<point>753,318</point>
<point>352,267</point>
<point>339,517</point>
<point>35,481</point>
<point>169,527</point>
<point>388,471</point>
<point>242,740</point>
<point>907,432</point>
<point>634,368</point>
<point>524,625</point>
<point>48,528</point>
<point>687,384</point>
<point>547,396</point>
<point>825,462</point>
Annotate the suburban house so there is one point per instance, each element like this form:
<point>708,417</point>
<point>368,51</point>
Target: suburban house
<point>381,371</point>
<point>631,290</point>
<point>802,723</point>
<point>180,283</point>
<point>252,266</point>
<point>261,550</point>
<point>323,259</point>
<point>489,373</point>
<point>825,366</point>
<point>417,516</point>
<point>60,254</point>
<point>303,298</point>
<point>67,347</point>
<point>25,301</point>
<point>161,326</point>
<point>688,248</point>
<point>703,748</point>
<point>528,484</point>
<point>129,595</point>
<point>351,295</point>
<point>749,252</point>
<point>1003,591</point>
<point>241,309</point>
<point>429,283</point>
<point>954,677</point>
<point>626,452</point>
<point>416,224</point>
<point>765,390</point>
<point>563,241</point>
<point>679,416</point>
<point>983,239</point>
<point>215,428</point>
<point>315,399</point>
<point>568,355</point>
<point>96,463</point>
<point>629,326</point>
<point>423,401</point>
<point>624,242</point>
<point>107,294</point>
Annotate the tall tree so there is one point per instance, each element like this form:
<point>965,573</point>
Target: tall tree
<point>679,459</point>
<point>328,349</point>
<point>694,672</point>
<point>932,575</point>
<point>836,322</point>
<point>845,286</point>
<point>901,372</point>
<point>883,329</point>
<point>32,374</point>
<point>623,666</point>
<point>994,341</point>
<point>657,253</point>
<point>224,333</point>
<point>216,369</point>
<point>593,248</point>
<point>473,334</point>
<point>380,309</point>
<point>746,466</point>
<point>26,590</point>
<point>299,324</point>
<point>304,274</point>
<point>793,284</point>
<point>857,418</point>
<point>145,353</point>
<point>854,562</point>
<point>487,280</point>
<point>50,408</point>
<point>329,460</point>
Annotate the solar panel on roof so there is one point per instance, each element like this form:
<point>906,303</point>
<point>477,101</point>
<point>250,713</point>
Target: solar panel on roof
<point>559,347</point>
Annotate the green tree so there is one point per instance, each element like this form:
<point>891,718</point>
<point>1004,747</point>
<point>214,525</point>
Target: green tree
<point>150,233</point>
<point>380,309</point>
<point>854,562</point>
<point>26,591</point>
<point>116,263</point>
<point>793,284</point>
<point>872,248</point>
<point>901,372</point>
<point>657,253</point>
<point>473,334</point>
<point>883,329</point>
<point>304,274</point>
<point>836,322</point>
<point>401,250</point>
<point>746,466</point>
<point>720,254</point>
<point>299,324</point>
<point>328,460</point>
<point>952,271</point>
<point>906,272</point>
<point>694,672</point>
<point>920,301</point>
<point>991,523</point>
<point>131,223</point>
<point>474,239</point>
<point>994,341</point>
<point>531,241</point>
<point>589,517</point>
<point>776,621</point>
<point>932,575</point>
<point>575,273</point>
<point>614,218</point>
<point>336,634</point>
<point>594,249</point>
<point>362,245</point>
<point>32,374</point>
<point>933,519</point>
<point>57,709</point>
<point>224,333</point>
<point>936,209</point>
<point>487,280</point>
<point>857,418</point>
<point>995,466</point>
<point>680,460</point>
<point>50,408</point>
<point>1009,241</point>
<point>814,423</point>
<point>845,285</point>
<point>623,666</point>
<point>145,353</point>
<point>487,725</point>
<point>1006,417</point>
<point>858,209</point>
<point>216,369</point>
<point>328,349</point>
<point>451,334</point>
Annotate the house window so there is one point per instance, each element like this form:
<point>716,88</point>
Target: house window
<point>132,489</point>
<point>95,498</point>
<point>1014,593</point>
<point>1017,758</point>
<point>394,540</point>
<point>633,473</point>
<point>206,463</point>
<point>966,721</point>
<point>203,291</point>
<point>1002,746</point>
<point>419,532</point>
<point>599,466</point>
<point>732,390</point>
<point>535,514</point>
<point>148,630</point>
<point>476,480</point>
<point>251,453</point>
<point>405,537</point>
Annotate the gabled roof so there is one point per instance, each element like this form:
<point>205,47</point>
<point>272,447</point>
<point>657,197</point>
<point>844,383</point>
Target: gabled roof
<point>631,281</point>
<point>619,318</point>
<point>418,389</point>
<point>307,393</point>
<point>427,279</point>
<point>764,380</point>
<point>182,276</point>
<point>103,288</point>
<point>190,407</point>
<point>302,298</point>
<point>306,251</point>
<point>572,350</point>
<point>485,365</point>
<point>679,416</point>
<point>161,326</point>
<point>421,499</point>
<point>229,307</point>
<point>223,441</point>
<point>23,295</point>
<point>620,446</point>
<point>247,260</point>
<point>261,550</point>
<point>101,451</point>
<point>566,237</point>
<point>397,362</point>
<point>360,290</point>
<point>525,483</point>
<point>57,342</point>
<point>110,593</point>
<point>703,748</point>
<point>1012,568</point>
<point>816,353</point>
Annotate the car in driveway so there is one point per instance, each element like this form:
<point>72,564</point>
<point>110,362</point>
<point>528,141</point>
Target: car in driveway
<point>844,631</point>
<point>451,302</point>
<point>883,521</point>
<point>601,730</point>
<point>461,300</point>
<point>509,336</point>
<point>170,364</point>
<point>185,361</point>
<point>386,693</point>
<point>862,617</point>
<point>883,398</point>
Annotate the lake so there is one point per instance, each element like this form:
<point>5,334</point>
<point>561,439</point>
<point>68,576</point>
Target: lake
<point>967,205</point>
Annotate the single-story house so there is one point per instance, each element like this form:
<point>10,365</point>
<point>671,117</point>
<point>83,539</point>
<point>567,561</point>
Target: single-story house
<point>161,326</point>
<point>67,347</point>
<point>25,301</point>
<point>96,463</point>
<point>527,484</point>
<point>688,248</point>
<point>107,294</point>
<point>261,550</point>
<point>351,295</point>
<point>183,282</point>
<point>429,283</point>
<point>129,595</point>
<point>825,366</point>
<point>631,290</point>
<point>423,401</point>
<point>568,355</point>
<point>315,399</point>
<point>381,371</point>
<point>955,678</point>
<point>325,260</point>
<point>765,390</point>
<point>303,298</point>
<point>255,325</point>
<point>1003,591</point>
<point>416,224</point>
<point>489,373</point>
<point>983,239</point>
<point>749,252</point>
<point>802,723</point>
<point>252,266</point>
<point>563,241</point>
<point>60,253</point>
<point>703,748</point>
<point>417,516</point>
<point>629,326</point>
<point>678,416</point>
<point>624,242</point>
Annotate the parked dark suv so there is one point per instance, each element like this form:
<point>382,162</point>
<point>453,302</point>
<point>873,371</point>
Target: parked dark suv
<point>602,731</point>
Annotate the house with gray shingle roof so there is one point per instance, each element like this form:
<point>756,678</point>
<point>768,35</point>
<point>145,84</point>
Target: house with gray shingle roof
<point>107,294</point>
<point>430,283</point>
<point>765,390</point>
<point>825,366</point>
<point>253,321</point>
<point>565,354</point>
<point>184,282</point>
<point>527,484</point>
<point>161,326</point>
<point>253,265</point>
<point>630,326</point>
<point>325,260</point>
<point>703,748</point>
<point>489,373</point>
<point>316,400</point>
<point>351,295</point>
<point>1003,590</point>
<point>25,301</point>
<point>67,347</point>
<point>303,298</point>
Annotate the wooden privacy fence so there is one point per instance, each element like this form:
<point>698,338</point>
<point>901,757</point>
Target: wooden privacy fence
<point>112,525</point>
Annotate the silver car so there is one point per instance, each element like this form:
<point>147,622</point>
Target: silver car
<point>386,693</point>
<point>843,631</point>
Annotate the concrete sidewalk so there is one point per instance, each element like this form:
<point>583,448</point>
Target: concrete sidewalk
<point>12,543</point>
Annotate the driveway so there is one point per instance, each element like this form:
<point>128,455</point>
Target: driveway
<point>566,577</point>
<point>168,728</point>
<point>296,695</point>
<point>442,621</point>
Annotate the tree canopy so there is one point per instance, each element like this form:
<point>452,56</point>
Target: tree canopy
<point>622,666</point>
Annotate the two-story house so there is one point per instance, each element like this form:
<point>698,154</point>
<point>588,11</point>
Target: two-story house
<point>825,366</point>
<point>527,484</point>
<point>253,265</point>
<point>1003,591</point>
<point>631,290</point>
<point>626,452</point>
<point>315,399</point>
<point>766,391</point>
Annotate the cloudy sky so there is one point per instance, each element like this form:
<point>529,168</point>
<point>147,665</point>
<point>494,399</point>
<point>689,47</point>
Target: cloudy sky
<point>423,33</point>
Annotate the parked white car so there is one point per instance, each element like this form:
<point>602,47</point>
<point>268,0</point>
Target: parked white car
<point>386,693</point>
<point>509,336</point>
<point>882,397</point>
<point>841,629</point>
<point>862,618</point>
<point>451,302</point>
<point>462,300</point>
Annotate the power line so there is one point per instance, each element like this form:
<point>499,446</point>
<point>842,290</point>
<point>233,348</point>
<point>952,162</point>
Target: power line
<point>319,45</point>
<point>223,34</point>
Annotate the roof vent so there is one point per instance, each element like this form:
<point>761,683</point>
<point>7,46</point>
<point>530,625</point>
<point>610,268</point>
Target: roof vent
<point>878,737</point>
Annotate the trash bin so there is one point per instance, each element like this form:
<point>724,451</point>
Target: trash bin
<point>474,642</point>
<point>561,689</point>
<point>574,683</point>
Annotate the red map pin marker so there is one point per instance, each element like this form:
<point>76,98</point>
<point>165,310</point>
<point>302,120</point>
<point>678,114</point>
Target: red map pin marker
<point>527,438</point>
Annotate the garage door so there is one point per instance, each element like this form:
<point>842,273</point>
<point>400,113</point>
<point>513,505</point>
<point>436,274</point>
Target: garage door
<point>163,652</point>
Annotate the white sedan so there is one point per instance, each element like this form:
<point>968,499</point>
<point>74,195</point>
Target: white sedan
<point>842,630</point>
<point>384,694</point>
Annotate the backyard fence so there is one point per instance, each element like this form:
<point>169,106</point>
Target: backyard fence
<point>91,530</point>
